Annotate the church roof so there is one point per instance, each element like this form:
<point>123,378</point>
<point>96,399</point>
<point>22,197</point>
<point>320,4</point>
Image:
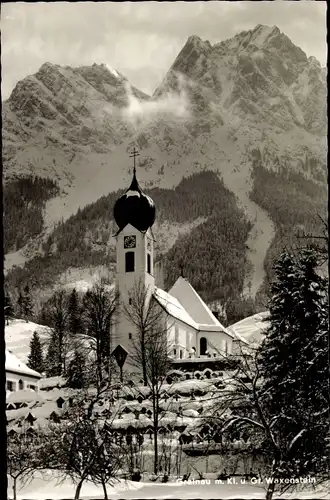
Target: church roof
<point>215,328</point>
<point>13,364</point>
<point>134,207</point>
<point>173,307</point>
<point>176,309</point>
<point>183,291</point>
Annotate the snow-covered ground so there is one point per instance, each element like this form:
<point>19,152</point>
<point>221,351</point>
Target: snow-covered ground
<point>49,487</point>
<point>18,335</point>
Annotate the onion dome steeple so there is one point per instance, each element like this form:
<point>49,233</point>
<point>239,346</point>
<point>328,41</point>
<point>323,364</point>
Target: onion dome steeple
<point>134,207</point>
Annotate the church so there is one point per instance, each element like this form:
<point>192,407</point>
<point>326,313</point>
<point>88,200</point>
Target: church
<point>192,329</point>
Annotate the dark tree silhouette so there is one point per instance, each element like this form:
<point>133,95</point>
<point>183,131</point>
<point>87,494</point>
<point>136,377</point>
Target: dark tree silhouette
<point>59,342</point>
<point>99,304</point>
<point>76,374</point>
<point>8,308</point>
<point>35,358</point>
<point>74,312</point>
<point>27,303</point>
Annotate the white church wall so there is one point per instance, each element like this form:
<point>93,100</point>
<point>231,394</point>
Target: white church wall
<point>184,338</point>
<point>220,340</point>
<point>125,281</point>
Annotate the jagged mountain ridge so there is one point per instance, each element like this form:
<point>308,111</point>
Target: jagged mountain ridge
<point>269,74</point>
<point>256,90</point>
<point>64,111</point>
<point>258,76</point>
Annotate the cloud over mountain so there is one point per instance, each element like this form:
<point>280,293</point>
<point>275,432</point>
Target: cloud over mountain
<point>172,104</point>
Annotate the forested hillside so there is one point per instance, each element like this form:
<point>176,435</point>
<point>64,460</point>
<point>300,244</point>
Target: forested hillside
<point>293,203</point>
<point>24,200</point>
<point>213,254</point>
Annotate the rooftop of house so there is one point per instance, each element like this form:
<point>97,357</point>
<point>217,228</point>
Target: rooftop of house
<point>15,365</point>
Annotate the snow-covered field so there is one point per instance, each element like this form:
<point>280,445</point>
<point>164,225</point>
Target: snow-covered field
<point>18,335</point>
<point>51,488</point>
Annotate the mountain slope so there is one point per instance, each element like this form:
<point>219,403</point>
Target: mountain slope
<point>198,226</point>
<point>60,113</point>
<point>216,106</point>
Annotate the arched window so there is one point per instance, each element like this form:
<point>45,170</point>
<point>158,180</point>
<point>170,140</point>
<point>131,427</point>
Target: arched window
<point>202,346</point>
<point>129,262</point>
<point>149,263</point>
<point>20,385</point>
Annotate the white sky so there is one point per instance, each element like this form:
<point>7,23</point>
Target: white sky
<point>140,39</point>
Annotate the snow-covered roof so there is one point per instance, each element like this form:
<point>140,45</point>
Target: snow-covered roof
<point>173,307</point>
<point>251,329</point>
<point>215,328</point>
<point>176,308</point>
<point>13,364</point>
<point>52,382</point>
<point>192,302</point>
<point>24,396</point>
<point>239,338</point>
<point>187,386</point>
<point>124,423</point>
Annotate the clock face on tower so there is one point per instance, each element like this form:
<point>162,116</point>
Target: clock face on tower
<point>129,242</point>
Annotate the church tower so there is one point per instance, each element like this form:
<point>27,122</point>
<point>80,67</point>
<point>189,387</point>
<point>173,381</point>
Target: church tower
<point>134,213</point>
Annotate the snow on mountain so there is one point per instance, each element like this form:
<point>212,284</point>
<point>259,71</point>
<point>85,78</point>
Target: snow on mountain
<point>112,71</point>
<point>215,105</point>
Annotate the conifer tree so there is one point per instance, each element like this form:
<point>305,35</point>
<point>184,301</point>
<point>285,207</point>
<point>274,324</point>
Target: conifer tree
<point>57,313</point>
<point>74,313</point>
<point>294,362</point>
<point>76,372</point>
<point>27,303</point>
<point>20,305</point>
<point>35,359</point>
<point>8,307</point>
<point>53,358</point>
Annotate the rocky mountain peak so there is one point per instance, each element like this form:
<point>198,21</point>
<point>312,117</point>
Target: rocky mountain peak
<point>263,32</point>
<point>257,73</point>
<point>257,79</point>
<point>199,44</point>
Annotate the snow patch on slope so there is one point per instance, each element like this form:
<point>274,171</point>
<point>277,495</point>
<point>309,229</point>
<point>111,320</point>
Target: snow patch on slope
<point>112,71</point>
<point>262,33</point>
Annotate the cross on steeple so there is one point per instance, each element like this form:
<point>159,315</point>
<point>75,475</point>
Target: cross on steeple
<point>181,270</point>
<point>133,155</point>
